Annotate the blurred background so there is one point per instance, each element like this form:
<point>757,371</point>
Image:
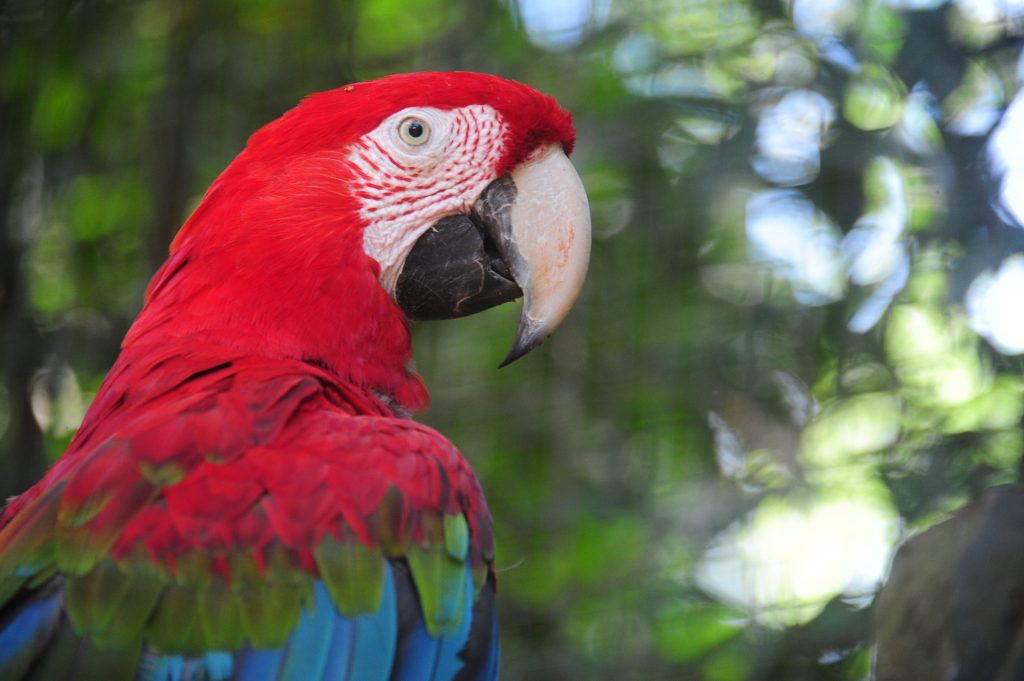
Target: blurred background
<point>800,338</point>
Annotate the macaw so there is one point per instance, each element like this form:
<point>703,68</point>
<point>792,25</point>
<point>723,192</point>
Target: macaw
<point>247,497</point>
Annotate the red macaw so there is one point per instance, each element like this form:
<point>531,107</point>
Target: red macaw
<point>247,497</point>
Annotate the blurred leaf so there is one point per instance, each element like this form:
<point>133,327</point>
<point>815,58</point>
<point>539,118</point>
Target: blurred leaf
<point>685,631</point>
<point>874,98</point>
<point>59,110</point>
<point>389,27</point>
<point>881,32</point>
<point>102,205</point>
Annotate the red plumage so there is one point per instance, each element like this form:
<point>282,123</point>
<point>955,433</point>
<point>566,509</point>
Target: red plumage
<point>259,408</point>
<point>211,452</point>
<point>264,339</point>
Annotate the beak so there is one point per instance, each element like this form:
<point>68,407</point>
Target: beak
<point>527,235</point>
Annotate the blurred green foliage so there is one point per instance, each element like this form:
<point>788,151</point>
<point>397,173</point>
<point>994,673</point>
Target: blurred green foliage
<point>772,375</point>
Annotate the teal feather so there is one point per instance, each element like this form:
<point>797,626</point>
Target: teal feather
<point>339,655</point>
<point>448,661</point>
<point>426,658</point>
<point>218,665</point>
<point>376,636</point>
<point>310,643</point>
<point>456,536</point>
<point>259,665</point>
<point>164,668</point>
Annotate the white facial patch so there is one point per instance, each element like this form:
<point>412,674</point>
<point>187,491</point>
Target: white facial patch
<point>404,188</point>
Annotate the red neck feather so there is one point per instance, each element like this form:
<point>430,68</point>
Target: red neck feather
<point>274,266</point>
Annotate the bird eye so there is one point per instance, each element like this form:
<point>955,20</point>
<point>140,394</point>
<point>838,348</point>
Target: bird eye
<point>414,131</point>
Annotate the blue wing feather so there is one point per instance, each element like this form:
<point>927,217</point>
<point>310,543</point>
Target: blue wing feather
<point>325,645</point>
<point>419,656</point>
<point>328,646</point>
<point>339,655</point>
<point>258,665</point>
<point>373,650</point>
<point>449,661</point>
<point>425,658</point>
<point>310,644</point>
<point>27,633</point>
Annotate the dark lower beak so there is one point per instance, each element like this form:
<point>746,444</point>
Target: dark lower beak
<point>528,236</point>
<point>454,270</point>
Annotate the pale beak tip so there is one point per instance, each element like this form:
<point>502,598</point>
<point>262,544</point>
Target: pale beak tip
<point>545,240</point>
<point>528,337</point>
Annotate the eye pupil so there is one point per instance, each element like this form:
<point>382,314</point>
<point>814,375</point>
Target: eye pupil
<point>414,131</point>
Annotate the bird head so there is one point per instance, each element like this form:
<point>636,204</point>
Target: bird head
<point>416,196</point>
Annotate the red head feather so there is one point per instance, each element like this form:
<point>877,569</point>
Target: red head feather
<point>272,262</point>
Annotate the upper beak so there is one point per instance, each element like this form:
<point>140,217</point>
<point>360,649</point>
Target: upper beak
<point>528,234</point>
